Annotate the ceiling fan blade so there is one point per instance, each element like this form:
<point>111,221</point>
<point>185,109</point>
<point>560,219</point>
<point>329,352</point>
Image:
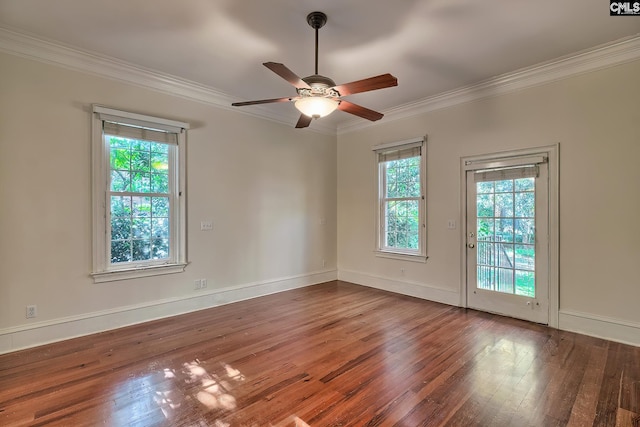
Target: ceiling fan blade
<point>372,83</point>
<point>358,110</point>
<point>287,74</point>
<point>264,101</point>
<point>303,122</point>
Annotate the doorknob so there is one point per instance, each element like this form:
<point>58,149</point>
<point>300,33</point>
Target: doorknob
<point>471,245</point>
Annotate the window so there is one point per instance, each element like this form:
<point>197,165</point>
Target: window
<point>138,195</point>
<point>401,200</point>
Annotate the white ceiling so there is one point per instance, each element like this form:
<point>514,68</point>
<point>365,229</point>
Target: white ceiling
<point>431,46</point>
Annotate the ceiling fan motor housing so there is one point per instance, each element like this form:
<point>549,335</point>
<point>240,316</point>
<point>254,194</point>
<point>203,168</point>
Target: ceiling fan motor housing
<point>320,86</point>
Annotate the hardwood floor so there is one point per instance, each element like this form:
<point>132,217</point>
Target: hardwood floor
<point>334,354</point>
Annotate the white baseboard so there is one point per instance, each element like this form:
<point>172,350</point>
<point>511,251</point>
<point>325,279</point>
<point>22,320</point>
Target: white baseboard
<point>26,336</point>
<point>418,290</point>
<point>35,334</point>
<point>600,327</point>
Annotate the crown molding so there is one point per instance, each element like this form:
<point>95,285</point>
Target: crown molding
<point>35,48</point>
<point>49,52</point>
<point>597,58</point>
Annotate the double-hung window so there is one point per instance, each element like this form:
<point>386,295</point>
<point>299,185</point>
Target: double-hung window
<point>138,195</point>
<point>401,230</point>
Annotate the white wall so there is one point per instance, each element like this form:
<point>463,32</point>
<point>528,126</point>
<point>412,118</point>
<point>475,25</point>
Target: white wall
<point>265,186</point>
<point>595,117</point>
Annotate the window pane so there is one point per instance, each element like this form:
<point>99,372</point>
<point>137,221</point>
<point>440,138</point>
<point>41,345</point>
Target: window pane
<point>485,254</point>
<point>504,280</point>
<point>485,229</point>
<point>141,206</point>
<point>525,283</point>
<point>504,230</point>
<point>525,184</point>
<point>484,187</point>
<point>141,250</point>
<point>504,255</point>
<point>525,231</point>
<point>120,251</point>
<point>115,142</point>
<point>140,182</point>
<point>120,206</point>
<point>505,186</point>
<point>120,158</point>
<point>504,205</point>
<point>160,248</point>
<point>141,161</point>
<point>160,206</point>
<point>159,148</point>
<point>159,182</point>
<point>525,204</point>
<point>485,276</point>
<point>525,257</point>
<point>120,228</point>
<point>142,145</point>
<point>485,205</point>
<point>141,228</point>
<point>159,161</point>
<point>160,228</point>
<point>120,181</point>
<point>403,178</point>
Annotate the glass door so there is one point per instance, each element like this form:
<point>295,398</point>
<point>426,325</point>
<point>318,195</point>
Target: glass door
<point>507,221</point>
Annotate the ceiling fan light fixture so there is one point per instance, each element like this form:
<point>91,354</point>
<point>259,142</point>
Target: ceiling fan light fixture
<point>316,106</point>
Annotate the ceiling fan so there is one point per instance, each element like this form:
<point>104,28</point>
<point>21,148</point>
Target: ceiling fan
<point>318,95</point>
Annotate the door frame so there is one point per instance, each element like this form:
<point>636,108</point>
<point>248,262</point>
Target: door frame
<point>552,153</point>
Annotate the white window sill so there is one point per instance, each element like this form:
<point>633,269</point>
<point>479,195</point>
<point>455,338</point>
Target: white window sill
<point>134,273</point>
<point>401,256</point>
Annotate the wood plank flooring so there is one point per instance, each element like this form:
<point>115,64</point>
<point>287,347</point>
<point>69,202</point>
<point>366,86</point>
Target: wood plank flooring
<point>334,354</point>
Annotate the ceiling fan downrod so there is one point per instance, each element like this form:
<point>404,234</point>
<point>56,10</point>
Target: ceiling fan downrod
<point>316,20</point>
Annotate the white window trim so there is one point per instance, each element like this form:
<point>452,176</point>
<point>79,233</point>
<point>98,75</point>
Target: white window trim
<point>400,254</point>
<point>100,268</point>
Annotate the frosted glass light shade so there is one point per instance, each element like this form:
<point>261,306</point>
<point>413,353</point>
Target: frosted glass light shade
<point>316,106</point>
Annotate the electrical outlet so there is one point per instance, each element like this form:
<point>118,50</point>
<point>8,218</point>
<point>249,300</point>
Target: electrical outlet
<point>402,271</point>
<point>206,225</point>
<point>197,284</point>
<point>32,311</point>
<point>203,283</point>
<point>324,263</point>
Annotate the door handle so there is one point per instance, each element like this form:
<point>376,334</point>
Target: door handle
<point>471,245</point>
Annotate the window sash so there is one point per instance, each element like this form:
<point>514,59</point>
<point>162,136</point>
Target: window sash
<point>173,201</point>
<point>384,231</point>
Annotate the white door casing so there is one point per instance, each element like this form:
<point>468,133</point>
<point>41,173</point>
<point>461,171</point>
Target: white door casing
<point>509,248</point>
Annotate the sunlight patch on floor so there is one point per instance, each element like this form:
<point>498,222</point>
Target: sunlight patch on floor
<point>209,389</point>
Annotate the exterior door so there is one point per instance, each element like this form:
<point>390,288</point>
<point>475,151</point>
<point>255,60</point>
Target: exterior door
<point>507,239</point>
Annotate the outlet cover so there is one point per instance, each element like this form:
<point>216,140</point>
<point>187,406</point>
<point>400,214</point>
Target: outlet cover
<point>32,311</point>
